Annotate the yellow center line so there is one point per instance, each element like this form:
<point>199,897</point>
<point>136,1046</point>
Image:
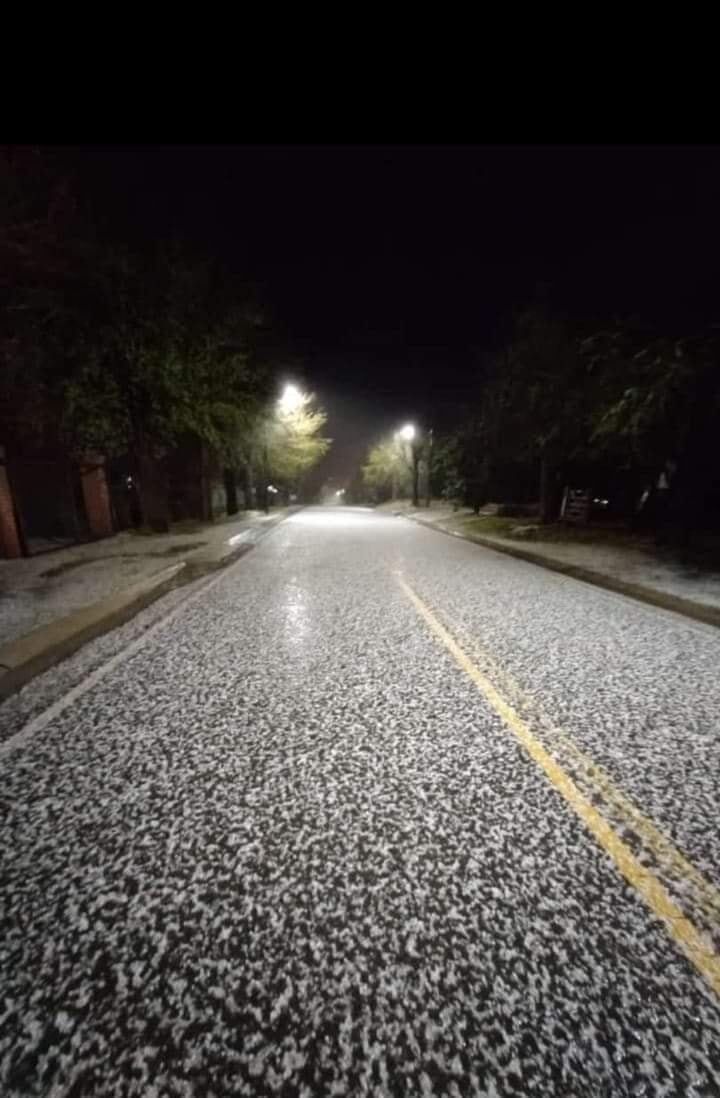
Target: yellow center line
<point>656,842</point>
<point>653,893</point>
<point>707,896</point>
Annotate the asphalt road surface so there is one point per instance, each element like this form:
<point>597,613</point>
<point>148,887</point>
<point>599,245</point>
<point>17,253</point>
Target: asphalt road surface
<point>373,812</point>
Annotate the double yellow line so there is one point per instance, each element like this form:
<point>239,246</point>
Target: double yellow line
<point>693,941</point>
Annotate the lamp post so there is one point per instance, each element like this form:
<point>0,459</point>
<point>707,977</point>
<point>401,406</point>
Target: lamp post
<point>429,465</point>
<point>290,400</point>
<point>409,434</point>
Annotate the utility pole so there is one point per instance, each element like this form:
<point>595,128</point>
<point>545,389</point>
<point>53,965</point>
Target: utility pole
<point>408,434</point>
<point>415,449</point>
<point>429,465</point>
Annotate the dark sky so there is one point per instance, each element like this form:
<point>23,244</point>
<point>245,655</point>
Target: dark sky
<point>390,269</point>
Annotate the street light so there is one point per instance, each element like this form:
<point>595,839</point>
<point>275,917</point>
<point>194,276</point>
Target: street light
<point>291,399</point>
<point>408,434</point>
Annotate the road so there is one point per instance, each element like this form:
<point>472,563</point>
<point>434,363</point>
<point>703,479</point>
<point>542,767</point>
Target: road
<point>374,812</point>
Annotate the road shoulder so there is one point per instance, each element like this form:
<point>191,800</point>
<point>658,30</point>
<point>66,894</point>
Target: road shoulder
<point>698,611</point>
<point>27,656</point>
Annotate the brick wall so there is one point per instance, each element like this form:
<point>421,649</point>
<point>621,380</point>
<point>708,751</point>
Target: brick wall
<point>96,497</point>
<point>9,537</point>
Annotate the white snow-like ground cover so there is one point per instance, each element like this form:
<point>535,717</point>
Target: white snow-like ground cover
<point>635,566</point>
<point>37,590</point>
<point>659,571</point>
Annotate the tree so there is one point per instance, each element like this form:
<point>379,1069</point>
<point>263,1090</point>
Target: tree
<point>537,403</point>
<point>446,480</point>
<point>119,352</point>
<point>170,358</point>
<point>387,471</point>
<point>111,350</point>
<point>46,270</point>
<point>289,440</point>
<point>412,448</point>
<point>661,410</point>
<point>625,396</point>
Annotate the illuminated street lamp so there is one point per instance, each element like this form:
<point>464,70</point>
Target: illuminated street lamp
<point>409,434</point>
<point>291,399</point>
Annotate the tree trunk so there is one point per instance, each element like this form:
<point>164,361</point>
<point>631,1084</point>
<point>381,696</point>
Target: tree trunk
<point>248,486</point>
<point>152,491</point>
<point>231,498</point>
<point>415,480</point>
<point>205,475</point>
<point>264,493</point>
<point>681,514</point>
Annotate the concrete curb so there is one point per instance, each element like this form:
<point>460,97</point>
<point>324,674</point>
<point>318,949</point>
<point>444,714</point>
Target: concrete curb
<point>22,659</point>
<point>698,611</point>
<point>28,656</point>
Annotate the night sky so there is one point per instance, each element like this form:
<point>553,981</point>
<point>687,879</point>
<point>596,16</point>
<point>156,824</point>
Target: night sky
<point>389,271</point>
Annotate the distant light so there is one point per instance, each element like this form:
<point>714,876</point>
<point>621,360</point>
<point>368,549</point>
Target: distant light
<point>272,489</point>
<point>291,399</point>
<point>407,432</point>
<point>340,492</point>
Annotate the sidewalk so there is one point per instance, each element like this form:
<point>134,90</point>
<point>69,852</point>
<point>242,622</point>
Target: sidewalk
<point>638,570</point>
<point>36,591</point>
